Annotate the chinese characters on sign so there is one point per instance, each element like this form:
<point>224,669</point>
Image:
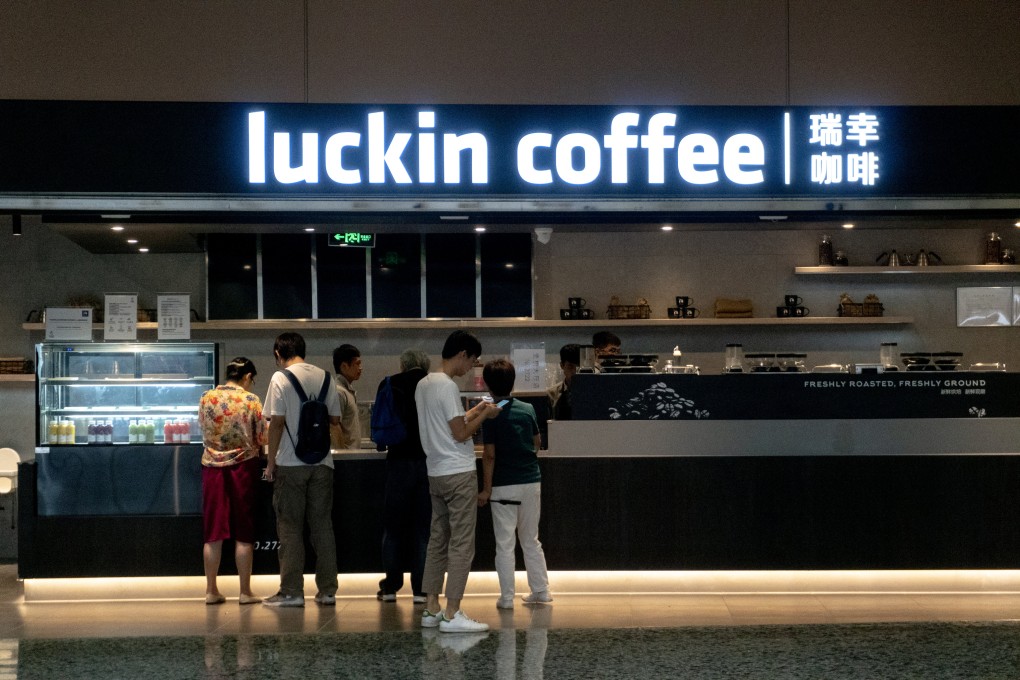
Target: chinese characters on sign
<point>832,166</point>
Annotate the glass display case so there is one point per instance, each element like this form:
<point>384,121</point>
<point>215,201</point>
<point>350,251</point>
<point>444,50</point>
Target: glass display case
<point>121,393</point>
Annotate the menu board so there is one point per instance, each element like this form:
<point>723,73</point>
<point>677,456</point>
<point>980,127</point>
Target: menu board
<point>529,364</point>
<point>121,319</point>
<point>68,323</point>
<point>989,306</point>
<point>173,311</point>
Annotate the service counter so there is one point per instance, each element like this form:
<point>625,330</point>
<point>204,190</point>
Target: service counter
<point>747,472</point>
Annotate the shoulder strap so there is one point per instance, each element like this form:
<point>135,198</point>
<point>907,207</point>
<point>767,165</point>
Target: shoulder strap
<point>297,385</point>
<point>325,388</point>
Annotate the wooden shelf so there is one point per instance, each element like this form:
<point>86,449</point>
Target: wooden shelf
<point>17,377</point>
<point>939,270</point>
<point>305,325</point>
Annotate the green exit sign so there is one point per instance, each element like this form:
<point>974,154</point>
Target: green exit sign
<point>354,239</point>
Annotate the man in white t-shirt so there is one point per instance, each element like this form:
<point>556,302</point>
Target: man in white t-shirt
<point>446,436</point>
<point>302,492</point>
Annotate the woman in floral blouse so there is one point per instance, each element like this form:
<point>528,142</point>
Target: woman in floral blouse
<point>233,433</point>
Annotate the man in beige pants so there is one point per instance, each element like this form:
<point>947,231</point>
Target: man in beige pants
<point>446,432</point>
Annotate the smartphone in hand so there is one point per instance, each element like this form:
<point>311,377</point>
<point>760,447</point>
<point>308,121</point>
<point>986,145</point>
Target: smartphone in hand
<point>503,403</point>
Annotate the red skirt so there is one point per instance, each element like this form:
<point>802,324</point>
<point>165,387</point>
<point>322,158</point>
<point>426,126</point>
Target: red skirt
<point>228,501</point>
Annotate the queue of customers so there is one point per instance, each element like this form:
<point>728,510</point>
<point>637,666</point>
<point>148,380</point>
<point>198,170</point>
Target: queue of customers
<point>432,492</point>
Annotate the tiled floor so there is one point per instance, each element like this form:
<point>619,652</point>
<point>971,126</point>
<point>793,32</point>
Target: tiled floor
<point>637,625</point>
<point>621,602</point>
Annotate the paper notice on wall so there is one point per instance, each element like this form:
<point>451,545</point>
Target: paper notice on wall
<point>121,318</point>
<point>991,306</point>
<point>529,362</point>
<point>68,323</point>
<point>173,310</point>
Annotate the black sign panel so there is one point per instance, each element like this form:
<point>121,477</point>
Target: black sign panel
<point>577,152</point>
<point>801,396</point>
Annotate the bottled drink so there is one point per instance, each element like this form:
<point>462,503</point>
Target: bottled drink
<point>186,431</point>
<point>133,432</point>
<point>825,252</point>
<point>150,432</point>
<point>168,431</point>
<point>993,249</point>
<point>53,432</point>
<point>91,432</point>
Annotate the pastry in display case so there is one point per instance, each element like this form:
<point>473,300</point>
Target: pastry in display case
<point>121,393</point>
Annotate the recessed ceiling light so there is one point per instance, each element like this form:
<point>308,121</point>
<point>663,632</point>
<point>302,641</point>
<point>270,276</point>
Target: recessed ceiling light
<point>479,228</point>
<point>143,250</point>
<point>772,218</point>
<point>454,217</point>
<point>110,216</point>
<point>309,228</point>
<point>132,241</point>
<point>509,265</point>
<point>848,225</point>
<point>117,227</point>
<point>667,227</point>
<point>1017,224</point>
<point>247,267</point>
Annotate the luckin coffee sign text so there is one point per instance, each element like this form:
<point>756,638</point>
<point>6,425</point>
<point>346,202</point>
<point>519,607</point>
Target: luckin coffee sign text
<point>644,150</point>
<point>380,154</point>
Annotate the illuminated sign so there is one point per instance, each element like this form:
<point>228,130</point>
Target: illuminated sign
<point>349,151</point>
<point>353,239</point>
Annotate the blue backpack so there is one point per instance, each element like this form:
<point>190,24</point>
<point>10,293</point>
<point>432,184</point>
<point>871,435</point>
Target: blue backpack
<point>387,427</point>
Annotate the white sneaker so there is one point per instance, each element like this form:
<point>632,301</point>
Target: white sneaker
<point>505,603</point>
<point>538,598</point>
<point>430,620</point>
<point>325,600</point>
<point>462,623</point>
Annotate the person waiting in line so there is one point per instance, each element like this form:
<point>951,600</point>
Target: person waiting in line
<point>446,436</point>
<point>347,364</point>
<point>559,394</point>
<point>512,482</point>
<point>407,508</point>
<point>605,343</point>
<point>302,492</point>
<point>233,434</point>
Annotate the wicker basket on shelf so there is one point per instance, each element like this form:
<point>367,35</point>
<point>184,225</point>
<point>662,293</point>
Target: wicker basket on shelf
<point>629,312</point>
<point>861,309</point>
<point>15,365</point>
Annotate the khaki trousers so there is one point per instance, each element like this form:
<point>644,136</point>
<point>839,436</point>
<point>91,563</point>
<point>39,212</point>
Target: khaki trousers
<point>452,537</point>
<point>305,493</point>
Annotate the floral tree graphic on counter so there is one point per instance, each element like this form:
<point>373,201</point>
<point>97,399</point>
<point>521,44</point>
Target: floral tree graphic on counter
<point>658,402</point>
<point>975,411</point>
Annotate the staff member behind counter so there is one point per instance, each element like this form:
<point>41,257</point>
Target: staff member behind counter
<point>605,343</point>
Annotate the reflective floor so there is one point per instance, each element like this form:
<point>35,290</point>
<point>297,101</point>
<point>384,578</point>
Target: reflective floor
<point>718,630</point>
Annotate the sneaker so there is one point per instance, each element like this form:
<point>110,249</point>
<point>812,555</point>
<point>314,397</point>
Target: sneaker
<point>383,596</point>
<point>462,623</point>
<point>430,620</point>
<point>505,603</point>
<point>419,599</point>
<point>325,600</point>
<point>281,600</point>
<point>538,598</point>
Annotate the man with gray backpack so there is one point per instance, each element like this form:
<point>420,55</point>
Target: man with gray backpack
<point>304,416</point>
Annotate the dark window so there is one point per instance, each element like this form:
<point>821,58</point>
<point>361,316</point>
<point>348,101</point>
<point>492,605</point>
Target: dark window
<point>286,276</point>
<point>506,275</point>
<point>340,280</point>
<point>450,275</point>
<point>233,276</point>
<point>396,276</point>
